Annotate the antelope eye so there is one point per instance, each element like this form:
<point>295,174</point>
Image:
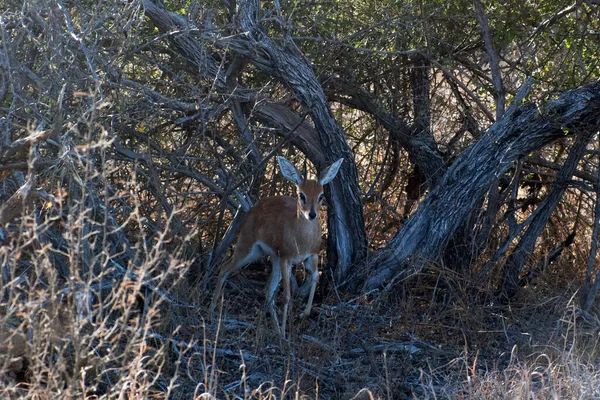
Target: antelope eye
<point>321,197</point>
<point>302,197</point>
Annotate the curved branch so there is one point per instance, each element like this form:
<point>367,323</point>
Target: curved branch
<point>347,242</point>
<point>421,149</point>
<point>322,144</point>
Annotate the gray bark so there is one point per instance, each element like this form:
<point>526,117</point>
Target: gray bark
<point>521,130</point>
<point>589,290</point>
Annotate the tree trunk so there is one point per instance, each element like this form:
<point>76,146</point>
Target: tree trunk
<point>590,290</point>
<point>347,242</point>
<point>421,147</point>
<point>521,130</point>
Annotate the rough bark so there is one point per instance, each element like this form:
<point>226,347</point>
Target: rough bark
<point>521,130</point>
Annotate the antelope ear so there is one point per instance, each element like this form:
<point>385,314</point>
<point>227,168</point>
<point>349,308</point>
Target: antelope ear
<point>289,171</point>
<point>330,172</point>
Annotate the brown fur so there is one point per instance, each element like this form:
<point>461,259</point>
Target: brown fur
<point>275,222</point>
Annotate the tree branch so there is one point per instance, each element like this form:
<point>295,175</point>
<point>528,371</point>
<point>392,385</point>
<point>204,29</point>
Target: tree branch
<point>494,65</point>
<point>521,130</point>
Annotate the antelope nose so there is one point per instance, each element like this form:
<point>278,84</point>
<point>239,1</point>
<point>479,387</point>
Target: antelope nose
<point>312,215</point>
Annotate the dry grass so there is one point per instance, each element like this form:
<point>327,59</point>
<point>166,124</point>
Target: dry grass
<point>128,323</point>
<point>133,327</point>
<point>112,206</point>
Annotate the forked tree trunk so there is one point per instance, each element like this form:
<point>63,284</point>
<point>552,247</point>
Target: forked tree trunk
<point>417,141</point>
<point>521,130</point>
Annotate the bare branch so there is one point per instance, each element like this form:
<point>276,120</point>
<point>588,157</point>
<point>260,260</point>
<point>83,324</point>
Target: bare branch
<point>494,65</point>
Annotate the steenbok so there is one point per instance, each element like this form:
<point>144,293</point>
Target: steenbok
<point>286,229</point>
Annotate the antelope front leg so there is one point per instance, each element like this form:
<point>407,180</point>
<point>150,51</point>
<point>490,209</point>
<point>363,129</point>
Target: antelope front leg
<point>286,270</point>
<point>312,264</point>
<point>272,288</point>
